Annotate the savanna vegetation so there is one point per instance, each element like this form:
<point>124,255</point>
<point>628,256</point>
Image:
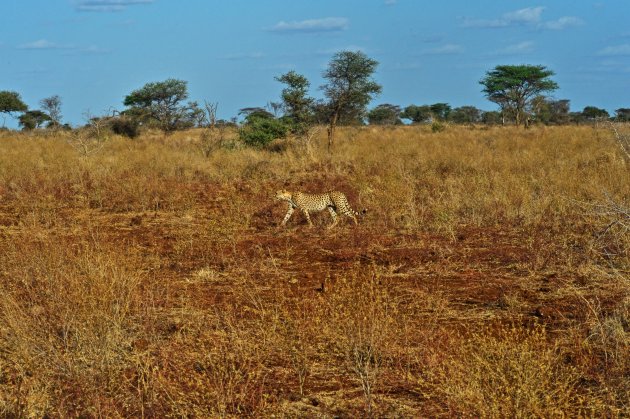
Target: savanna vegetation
<point>149,276</point>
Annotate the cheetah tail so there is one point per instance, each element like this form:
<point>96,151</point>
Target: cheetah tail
<point>364,211</point>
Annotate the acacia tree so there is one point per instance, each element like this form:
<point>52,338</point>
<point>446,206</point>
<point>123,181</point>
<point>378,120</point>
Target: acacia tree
<point>385,114</point>
<point>440,111</point>
<point>11,102</point>
<point>622,114</point>
<point>465,115</point>
<point>297,105</point>
<point>512,87</point>
<point>426,113</point>
<point>593,113</point>
<point>162,103</point>
<point>417,114</point>
<point>349,89</point>
<point>550,111</point>
<point>52,106</point>
<point>33,119</point>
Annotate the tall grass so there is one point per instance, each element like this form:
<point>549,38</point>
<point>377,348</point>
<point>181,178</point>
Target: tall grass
<point>150,277</point>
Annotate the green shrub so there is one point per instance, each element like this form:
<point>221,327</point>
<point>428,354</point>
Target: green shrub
<point>259,132</point>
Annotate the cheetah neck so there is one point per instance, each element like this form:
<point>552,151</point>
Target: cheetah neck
<point>292,202</point>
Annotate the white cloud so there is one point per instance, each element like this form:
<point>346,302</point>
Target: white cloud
<point>327,24</point>
<point>390,2</point>
<point>108,5</point>
<point>563,23</point>
<point>615,50</point>
<point>43,44</point>
<point>609,66</point>
<point>529,16</point>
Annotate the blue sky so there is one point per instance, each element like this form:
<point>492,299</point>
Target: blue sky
<point>94,52</point>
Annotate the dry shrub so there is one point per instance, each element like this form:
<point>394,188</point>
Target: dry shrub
<point>362,313</point>
<point>600,343</point>
<point>605,330</point>
<point>68,320</point>
<point>299,329</point>
<point>217,362</point>
<point>509,372</point>
<point>611,244</point>
<point>229,370</point>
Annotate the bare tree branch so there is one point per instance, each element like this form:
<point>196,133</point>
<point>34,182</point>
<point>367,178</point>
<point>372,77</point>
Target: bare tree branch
<point>623,140</point>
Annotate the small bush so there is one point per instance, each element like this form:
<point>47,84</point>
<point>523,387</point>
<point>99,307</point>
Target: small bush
<point>125,126</point>
<point>259,132</point>
<point>509,372</point>
<point>437,126</point>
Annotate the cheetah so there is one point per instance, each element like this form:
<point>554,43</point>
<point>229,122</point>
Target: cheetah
<point>335,201</point>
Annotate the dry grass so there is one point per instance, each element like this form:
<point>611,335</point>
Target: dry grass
<point>149,277</point>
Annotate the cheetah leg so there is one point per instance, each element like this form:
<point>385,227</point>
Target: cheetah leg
<point>333,214</point>
<point>350,214</point>
<point>347,211</point>
<point>289,213</point>
<point>308,218</point>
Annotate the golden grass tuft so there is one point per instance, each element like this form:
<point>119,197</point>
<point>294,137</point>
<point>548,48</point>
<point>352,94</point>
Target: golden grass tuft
<point>507,372</point>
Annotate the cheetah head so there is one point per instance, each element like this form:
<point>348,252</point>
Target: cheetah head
<point>283,195</point>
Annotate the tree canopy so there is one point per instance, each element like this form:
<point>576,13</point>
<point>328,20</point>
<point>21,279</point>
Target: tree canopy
<point>295,100</point>
<point>162,102</point>
<point>11,102</point>
<point>513,86</point>
<point>465,115</point>
<point>425,113</point>
<point>33,119</point>
<point>417,114</point>
<point>521,91</point>
<point>385,114</point>
<point>254,112</point>
<point>52,106</point>
<point>622,114</point>
<point>349,88</point>
<point>593,113</point>
<point>550,111</point>
<point>440,111</point>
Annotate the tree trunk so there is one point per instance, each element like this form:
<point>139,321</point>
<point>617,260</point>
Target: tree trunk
<point>331,130</point>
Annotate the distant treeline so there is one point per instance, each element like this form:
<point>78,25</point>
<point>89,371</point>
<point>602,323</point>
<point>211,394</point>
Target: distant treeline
<point>522,93</point>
